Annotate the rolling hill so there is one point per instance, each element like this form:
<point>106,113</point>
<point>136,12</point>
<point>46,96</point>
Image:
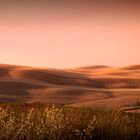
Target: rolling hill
<point>93,86</point>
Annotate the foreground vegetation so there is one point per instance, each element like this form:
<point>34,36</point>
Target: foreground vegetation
<point>48,122</point>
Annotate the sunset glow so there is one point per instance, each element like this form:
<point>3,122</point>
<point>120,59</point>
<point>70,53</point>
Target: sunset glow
<point>70,35</point>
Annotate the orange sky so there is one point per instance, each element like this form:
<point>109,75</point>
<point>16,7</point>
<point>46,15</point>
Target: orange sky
<point>71,34</point>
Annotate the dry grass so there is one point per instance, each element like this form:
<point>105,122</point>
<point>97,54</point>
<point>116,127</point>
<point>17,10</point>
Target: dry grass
<point>49,122</point>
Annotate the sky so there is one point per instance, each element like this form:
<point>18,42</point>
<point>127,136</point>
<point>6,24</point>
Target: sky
<point>70,34</point>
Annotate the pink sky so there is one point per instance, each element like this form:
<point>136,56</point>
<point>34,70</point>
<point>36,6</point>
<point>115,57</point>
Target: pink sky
<point>62,36</point>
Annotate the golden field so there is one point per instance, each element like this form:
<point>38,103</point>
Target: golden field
<point>86,103</point>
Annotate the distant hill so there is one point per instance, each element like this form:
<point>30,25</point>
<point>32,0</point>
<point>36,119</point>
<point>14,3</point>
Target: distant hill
<point>92,86</point>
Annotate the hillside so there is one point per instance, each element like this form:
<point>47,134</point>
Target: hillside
<point>94,86</point>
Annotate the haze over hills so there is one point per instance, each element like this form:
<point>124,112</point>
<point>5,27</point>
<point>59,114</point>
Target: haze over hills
<point>93,86</point>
